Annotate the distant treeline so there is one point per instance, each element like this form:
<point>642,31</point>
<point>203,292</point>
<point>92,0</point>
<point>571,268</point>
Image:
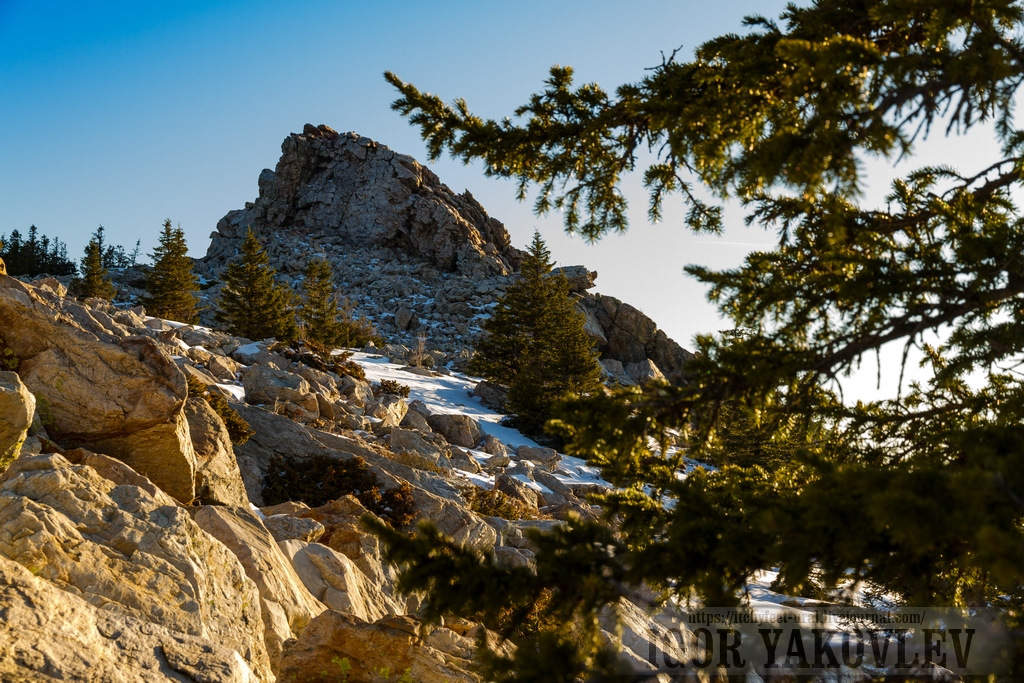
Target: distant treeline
<point>37,254</point>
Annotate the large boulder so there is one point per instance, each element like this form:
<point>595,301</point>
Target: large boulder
<point>413,442</point>
<point>218,480</point>
<point>222,367</point>
<point>492,445</point>
<point>414,420</point>
<point>116,566</point>
<point>492,395</point>
<point>54,635</point>
<point>285,527</point>
<point>286,605</point>
<point>265,384</point>
<point>357,391</point>
<point>347,646</point>
<point>17,406</point>
<point>320,382</point>
<point>517,490</point>
<point>389,409</point>
<point>548,457</point>
<point>344,533</point>
<point>460,430</point>
<point>338,582</point>
<point>119,395</point>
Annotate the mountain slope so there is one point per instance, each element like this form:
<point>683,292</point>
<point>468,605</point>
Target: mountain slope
<point>408,252</point>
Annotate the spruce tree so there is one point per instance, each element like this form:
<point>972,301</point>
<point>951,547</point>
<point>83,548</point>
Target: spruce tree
<point>94,281</point>
<point>171,283</point>
<point>535,344</point>
<point>320,312</point>
<point>329,321</point>
<point>13,253</point>
<point>252,304</point>
<point>918,494</point>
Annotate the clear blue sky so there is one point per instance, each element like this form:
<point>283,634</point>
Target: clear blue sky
<point>126,113</point>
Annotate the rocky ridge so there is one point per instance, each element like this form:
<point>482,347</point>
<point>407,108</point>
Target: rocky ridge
<point>409,253</point>
<point>138,546</point>
<point>109,572</point>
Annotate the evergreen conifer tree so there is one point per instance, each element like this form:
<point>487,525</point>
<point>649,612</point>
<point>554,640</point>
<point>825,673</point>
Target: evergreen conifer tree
<point>94,281</point>
<point>320,312</point>
<point>252,304</point>
<point>37,255</point>
<point>13,253</point>
<point>171,283</point>
<point>535,343</point>
<point>918,494</point>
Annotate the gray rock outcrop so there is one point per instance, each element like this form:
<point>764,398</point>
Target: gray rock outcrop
<point>460,430</point>
<point>629,337</point>
<point>407,252</point>
<point>362,192</point>
<point>110,392</point>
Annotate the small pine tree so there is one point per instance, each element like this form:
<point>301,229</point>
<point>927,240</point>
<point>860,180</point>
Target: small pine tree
<point>94,281</point>
<point>252,304</point>
<point>171,283</point>
<point>320,311</point>
<point>356,331</point>
<point>535,343</point>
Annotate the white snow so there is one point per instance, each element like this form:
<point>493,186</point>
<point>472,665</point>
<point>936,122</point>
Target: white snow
<point>235,390</point>
<point>447,394</point>
<point>250,349</point>
<point>452,394</point>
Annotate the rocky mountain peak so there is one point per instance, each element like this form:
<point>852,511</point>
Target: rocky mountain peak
<point>345,189</point>
<point>411,255</point>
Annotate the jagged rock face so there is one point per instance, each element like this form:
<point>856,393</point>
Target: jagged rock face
<point>111,392</point>
<point>374,652</point>
<point>115,573</point>
<point>624,334</point>
<point>338,582</point>
<point>49,634</point>
<point>285,604</point>
<point>407,252</point>
<point>354,189</point>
